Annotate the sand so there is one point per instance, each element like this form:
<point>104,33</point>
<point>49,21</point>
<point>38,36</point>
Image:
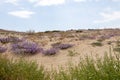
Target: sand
<point>62,58</point>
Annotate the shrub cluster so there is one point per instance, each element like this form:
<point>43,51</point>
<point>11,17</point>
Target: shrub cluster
<point>5,40</point>
<point>107,68</point>
<point>104,37</point>
<point>2,49</point>
<point>10,39</point>
<point>19,46</point>
<point>89,69</point>
<point>62,46</point>
<point>15,39</point>
<point>98,43</point>
<point>51,51</point>
<point>26,48</point>
<point>55,48</point>
<point>117,48</point>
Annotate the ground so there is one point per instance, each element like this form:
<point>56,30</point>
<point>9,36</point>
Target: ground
<point>82,45</point>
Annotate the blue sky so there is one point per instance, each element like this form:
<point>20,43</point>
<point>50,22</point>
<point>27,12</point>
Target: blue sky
<point>42,15</point>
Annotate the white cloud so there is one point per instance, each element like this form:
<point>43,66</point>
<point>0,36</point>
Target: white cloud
<point>95,0</point>
<point>22,14</point>
<point>80,0</point>
<point>107,9</point>
<point>14,2</point>
<point>33,1</point>
<point>87,0</point>
<point>116,0</point>
<point>47,2</point>
<point>106,17</point>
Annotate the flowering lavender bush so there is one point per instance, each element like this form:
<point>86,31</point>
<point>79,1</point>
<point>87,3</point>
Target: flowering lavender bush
<point>104,37</point>
<point>10,39</point>
<point>51,51</point>
<point>26,48</point>
<point>2,49</point>
<point>65,46</point>
<point>4,40</point>
<point>62,46</point>
<point>15,39</point>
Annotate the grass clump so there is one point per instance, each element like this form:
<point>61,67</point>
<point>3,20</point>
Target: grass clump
<point>72,53</point>
<point>96,44</point>
<point>51,51</point>
<point>117,49</point>
<point>117,43</point>
<point>62,46</point>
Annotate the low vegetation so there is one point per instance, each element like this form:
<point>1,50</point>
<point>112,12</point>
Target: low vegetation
<point>51,51</point>
<point>20,70</point>
<point>88,68</point>
<point>98,43</point>
<point>4,40</point>
<point>2,49</point>
<point>62,46</point>
<point>107,68</point>
<point>26,48</point>
<point>72,53</point>
<point>117,47</point>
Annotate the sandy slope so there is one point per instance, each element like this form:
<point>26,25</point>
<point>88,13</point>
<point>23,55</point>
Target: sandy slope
<point>62,58</point>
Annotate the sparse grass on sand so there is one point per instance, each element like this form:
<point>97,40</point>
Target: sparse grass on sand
<point>96,44</point>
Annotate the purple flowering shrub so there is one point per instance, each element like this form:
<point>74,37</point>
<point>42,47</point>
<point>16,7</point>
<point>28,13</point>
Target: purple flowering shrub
<point>15,39</point>
<point>62,46</point>
<point>2,49</point>
<point>27,48</point>
<point>65,46</point>
<point>5,40</point>
<point>51,51</point>
<point>10,39</point>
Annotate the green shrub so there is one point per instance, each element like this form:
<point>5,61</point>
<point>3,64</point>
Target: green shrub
<point>20,70</point>
<point>88,69</point>
<point>96,44</point>
<point>117,49</point>
<point>118,43</point>
<point>72,53</point>
<point>107,68</point>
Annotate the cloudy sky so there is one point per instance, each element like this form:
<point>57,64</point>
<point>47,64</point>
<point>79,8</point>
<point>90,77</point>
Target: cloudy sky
<point>42,15</point>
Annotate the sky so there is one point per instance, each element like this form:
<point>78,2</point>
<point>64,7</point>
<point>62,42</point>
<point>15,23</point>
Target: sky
<point>46,15</point>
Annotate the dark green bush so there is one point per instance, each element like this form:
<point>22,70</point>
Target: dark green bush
<point>96,44</point>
